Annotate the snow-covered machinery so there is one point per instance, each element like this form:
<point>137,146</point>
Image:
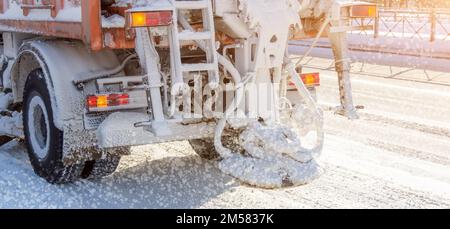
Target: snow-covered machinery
<point>92,78</point>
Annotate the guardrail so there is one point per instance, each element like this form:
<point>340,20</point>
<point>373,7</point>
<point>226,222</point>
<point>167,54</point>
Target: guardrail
<point>426,24</point>
<point>410,44</point>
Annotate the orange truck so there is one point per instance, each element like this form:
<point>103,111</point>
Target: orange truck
<point>84,80</point>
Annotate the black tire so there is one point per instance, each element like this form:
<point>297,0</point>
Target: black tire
<point>205,148</point>
<point>4,140</point>
<point>50,167</point>
<point>98,169</point>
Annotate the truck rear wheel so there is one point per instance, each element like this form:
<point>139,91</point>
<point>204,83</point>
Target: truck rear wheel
<point>4,140</point>
<point>205,148</point>
<point>98,169</point>
<point>44,140</point>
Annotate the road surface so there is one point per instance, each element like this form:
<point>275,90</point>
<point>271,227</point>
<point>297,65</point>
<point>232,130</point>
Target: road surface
<point>396,156</point>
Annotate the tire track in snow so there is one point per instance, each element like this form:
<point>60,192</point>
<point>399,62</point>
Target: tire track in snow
<point>441,131</point>
<point>147,179</point>
<point>395,138</point>
<point>339,187</point>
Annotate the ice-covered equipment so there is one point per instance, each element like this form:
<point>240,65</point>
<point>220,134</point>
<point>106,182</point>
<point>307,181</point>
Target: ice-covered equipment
<point>94,78</point>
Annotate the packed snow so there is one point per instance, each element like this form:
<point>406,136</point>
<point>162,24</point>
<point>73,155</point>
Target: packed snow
<point>71,12</point>
<point>11,125</point>
<point>395,156</point>
<point>114,21</point>
<point>403,161</point>
<point>10,122</point>
<point>5,101</point>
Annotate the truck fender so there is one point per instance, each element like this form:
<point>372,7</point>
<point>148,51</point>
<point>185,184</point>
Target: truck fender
<point>62,62</point>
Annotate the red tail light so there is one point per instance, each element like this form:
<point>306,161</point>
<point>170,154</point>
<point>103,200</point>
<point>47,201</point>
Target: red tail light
<point>149,19</point>
<point>105,101</point>
<point>118,99</point>
<point>309,79</point>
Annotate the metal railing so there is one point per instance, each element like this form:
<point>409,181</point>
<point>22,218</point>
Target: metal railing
<point>428,30</point>
<point>414,33</point>
<point>384,71</point>
<point>426,24</point>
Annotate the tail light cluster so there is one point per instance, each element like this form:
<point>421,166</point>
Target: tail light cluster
<point>104,101</point>
<point>309,79</point>
<point>149,19</point>
<point>112,102</point>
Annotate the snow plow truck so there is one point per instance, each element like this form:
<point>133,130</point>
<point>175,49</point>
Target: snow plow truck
<point>83,81</point>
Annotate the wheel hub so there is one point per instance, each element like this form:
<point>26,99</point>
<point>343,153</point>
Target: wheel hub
<point>38,124</point>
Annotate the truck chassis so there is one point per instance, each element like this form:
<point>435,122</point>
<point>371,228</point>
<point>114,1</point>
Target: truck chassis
<point>93,78</point>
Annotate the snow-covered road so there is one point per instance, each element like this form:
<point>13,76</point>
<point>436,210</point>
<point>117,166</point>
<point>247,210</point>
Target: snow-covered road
<point>396,156</point>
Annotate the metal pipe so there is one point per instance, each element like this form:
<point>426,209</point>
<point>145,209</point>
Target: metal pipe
<point>225,51</point>
<point>221,59</point>
<point>106,73</point>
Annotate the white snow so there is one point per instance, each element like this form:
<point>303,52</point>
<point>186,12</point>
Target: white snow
<point>11,126</point>
<point>71,13</point>
<point>5,100</point>
<point>396,156</point>
<point>275,157</point>
<point>384,160</point>
<point>114,21</point>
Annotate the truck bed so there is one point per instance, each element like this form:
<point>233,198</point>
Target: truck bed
<point>73,19</point>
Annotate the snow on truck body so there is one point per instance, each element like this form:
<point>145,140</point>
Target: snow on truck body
<point>95,77</point>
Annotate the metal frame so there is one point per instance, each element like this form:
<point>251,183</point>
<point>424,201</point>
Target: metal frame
<point>89,30</point>
<point>434,20</point>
